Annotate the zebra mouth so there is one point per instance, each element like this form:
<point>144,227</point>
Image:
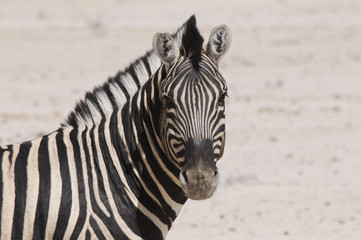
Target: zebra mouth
<point>199,184</point>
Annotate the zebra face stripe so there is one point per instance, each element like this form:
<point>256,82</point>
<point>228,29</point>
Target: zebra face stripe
<point>193,112</point>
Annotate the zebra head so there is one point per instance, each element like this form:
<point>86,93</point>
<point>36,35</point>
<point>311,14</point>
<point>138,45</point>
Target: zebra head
<point>192,94</point>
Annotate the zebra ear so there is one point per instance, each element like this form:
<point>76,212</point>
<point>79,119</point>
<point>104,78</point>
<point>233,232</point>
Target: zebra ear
<point>165,47</point>
<point>219,42</point>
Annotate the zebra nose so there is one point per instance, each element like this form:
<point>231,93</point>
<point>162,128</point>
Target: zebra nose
<point>193,176</point>
<point>198,183</point>
<point>199,175</point>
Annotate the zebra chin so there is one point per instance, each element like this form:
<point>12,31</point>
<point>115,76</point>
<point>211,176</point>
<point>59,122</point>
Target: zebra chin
<point>199,174</point>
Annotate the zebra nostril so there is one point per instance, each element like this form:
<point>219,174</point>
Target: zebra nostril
<point>215,173</point>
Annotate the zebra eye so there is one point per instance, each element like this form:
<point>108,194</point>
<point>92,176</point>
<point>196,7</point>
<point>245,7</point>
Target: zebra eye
<point>169,103</point>
<point>221,98</point>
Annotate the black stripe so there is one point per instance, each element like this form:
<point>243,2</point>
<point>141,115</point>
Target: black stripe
<point>66,194</point>
<point>10,148</point>
<point>87,235</point>
<point>96,229</point>
<point>21,179</point>
<point>1,183</point>
<point>81,188</point>
<point>148,228</point>
<point>42,208</point>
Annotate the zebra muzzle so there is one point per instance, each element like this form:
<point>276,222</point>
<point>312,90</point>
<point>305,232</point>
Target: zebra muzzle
<point>199,175</point>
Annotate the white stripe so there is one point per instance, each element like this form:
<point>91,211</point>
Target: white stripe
<point>104,103</point>
<point>118,94</point>
<point>8,192</point>
<point>75,205</point>
<point>129,83</point>
<point>32,190</point>
<point>154,62</point>
<point>56,186</point>
<point>141,72</point>
<point>94,113</point>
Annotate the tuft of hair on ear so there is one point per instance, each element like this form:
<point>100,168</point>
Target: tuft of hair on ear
<point>192,42</point>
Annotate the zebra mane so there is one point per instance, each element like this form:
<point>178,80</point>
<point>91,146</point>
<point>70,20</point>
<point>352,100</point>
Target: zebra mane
<point>192,42</point>
<point>114,93</point>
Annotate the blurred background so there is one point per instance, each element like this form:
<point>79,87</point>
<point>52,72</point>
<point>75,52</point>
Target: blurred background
<point>291,169</point>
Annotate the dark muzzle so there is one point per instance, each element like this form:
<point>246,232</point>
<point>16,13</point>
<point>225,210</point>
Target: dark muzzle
<point>199,175</point>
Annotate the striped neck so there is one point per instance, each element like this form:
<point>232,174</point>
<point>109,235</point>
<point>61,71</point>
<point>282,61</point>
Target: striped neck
<point>145,112</point>
<point>159,187</point>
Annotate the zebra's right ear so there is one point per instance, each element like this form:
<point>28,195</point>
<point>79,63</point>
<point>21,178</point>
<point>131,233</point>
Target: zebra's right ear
<point>165,47</point>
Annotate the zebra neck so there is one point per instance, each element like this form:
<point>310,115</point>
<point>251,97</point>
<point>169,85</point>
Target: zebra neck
<point>157,174</point>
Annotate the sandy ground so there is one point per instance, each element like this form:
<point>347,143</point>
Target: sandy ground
<point>292,164</point>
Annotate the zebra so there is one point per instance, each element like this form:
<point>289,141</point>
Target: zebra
<point>130,154</point>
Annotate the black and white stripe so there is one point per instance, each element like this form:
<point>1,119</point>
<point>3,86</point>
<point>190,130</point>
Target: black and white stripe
<point>112,171</point>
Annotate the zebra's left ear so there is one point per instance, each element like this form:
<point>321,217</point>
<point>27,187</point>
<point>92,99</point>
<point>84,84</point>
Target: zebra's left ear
<point>219,42</point>
<point>165,47</point>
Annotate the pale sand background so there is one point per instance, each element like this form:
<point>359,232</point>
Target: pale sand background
<point>292,166</point>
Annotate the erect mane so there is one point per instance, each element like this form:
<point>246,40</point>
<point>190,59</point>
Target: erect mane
<point>114,93</point>
<point>192,42</point>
